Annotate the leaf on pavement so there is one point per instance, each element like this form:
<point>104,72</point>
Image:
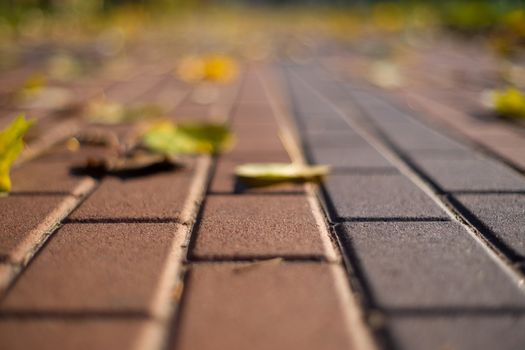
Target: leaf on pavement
<point>187,138</point>
<point>215,68</point>
<point>509,103</point>
<point>267,173</point>
<point>106,112</point>
<point>11,144</point>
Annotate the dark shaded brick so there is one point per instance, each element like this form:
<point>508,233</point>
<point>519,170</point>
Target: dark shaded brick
<point>379,196</point>
<point>467,332</point>
<point>334,138</point>
<point>322,123</point>
<point>67,335</point>
<point>21,218</point>
<point>429,264</point>
<point>504,215</point>
<point>257,226</point>
<point>267,305</point>
<point>158,196</point>
<point>363,156</point>
<point>471,174</point>
<point>94,267</point>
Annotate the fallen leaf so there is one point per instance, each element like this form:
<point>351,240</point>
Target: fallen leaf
<point>215,68</point>
<point>187,138</point>
<point>106,112</point>
<point>11,144</point>
<point>509,103</point>
<point>220,68</point>
<point>267,173</point>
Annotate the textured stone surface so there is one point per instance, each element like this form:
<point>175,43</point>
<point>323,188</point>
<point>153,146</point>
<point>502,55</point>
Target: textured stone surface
<point>44,177</point>
<point>69,335</point>
<point>471,175</point>
<point>153,197</point>
<point>255,226</point>
<point>19,215</point>
<point>379,196</point>
<point>466,332</point>
<point>429,264</point>
<point>350,157</point>
<point>94,267</point>
<point>262,306</point>
<point>333,138</point>
<point>504,215</point>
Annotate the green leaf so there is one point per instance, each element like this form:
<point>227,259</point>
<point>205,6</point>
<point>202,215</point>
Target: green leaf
<point>265,173</point>
<point>11,144</point>
<point>509,103</point>
<point>188,138</point>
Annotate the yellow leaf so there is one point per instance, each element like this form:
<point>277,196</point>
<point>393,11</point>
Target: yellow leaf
<point>11,144</point>
<point>509,103</point>
<point>264,173</point>
<point>220,68</point>
<point>215,68</point>
<point>188,138</point>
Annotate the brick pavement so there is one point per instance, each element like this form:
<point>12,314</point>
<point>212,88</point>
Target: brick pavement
<point>391,251</point>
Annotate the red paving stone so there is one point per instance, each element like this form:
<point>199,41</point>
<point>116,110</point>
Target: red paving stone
<point>94,268</point>
<point>24,221</point>
<point>159,196</point>
<point>256,226</point>
<point>266,305</point>
<point>69,335</point>
<point>46,178</point>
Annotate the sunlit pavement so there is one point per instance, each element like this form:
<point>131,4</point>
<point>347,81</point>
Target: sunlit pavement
<point>415,239</point>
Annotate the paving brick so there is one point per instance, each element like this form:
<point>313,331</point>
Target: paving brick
<point>429,264</point>
<point>379,196</point>
<point>19,334</point>
<point>322,122</point>
<point>256,226</point>
<point>413,137</point>
<point>262,306</point>
<point>363,156</point>
<point>504,215</point>
<point>20,218</point>
<point>44,177</point>
<point>377,109</point>
<point>253,114</point>
<point>154,197</point>
<point>471,174</point>
<point>252,140</point>
<point>94,267</point>
<point>465,332</point>
<point>333,138</point>
<point>252,90</point>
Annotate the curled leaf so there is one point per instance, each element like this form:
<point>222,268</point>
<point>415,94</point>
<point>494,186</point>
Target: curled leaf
<point>267,173</point>
<point>509,103</point>
<point>187,138</point>
<point>11,144</point>
<point>135,163</point>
